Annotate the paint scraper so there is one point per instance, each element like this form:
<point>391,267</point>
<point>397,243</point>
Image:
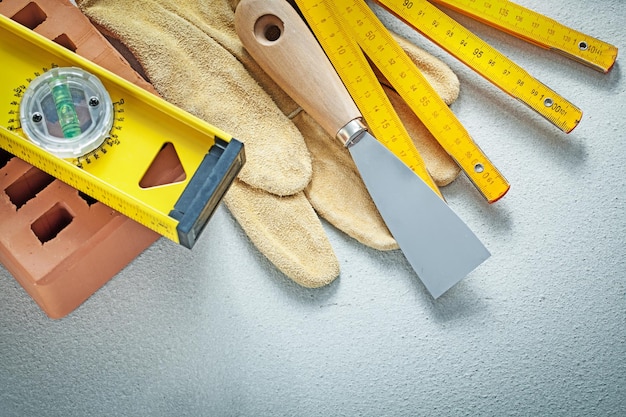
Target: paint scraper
<point>440,247</point>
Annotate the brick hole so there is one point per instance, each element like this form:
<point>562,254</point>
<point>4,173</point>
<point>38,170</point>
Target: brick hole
<point>30,16</point>
<point>166,168</point>
<point>65,42</point>
<point>89,200</point>
<point>51,223</point>
<point>5,156</point>
<point>28,186</point>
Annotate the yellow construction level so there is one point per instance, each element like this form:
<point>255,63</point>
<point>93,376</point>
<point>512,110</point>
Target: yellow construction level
<point>143,126</point>
<point>483,58</point>
<point>538,29</point>
<point>344,28</point>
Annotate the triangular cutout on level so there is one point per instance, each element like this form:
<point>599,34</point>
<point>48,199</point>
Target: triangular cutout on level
<point>166,168</point>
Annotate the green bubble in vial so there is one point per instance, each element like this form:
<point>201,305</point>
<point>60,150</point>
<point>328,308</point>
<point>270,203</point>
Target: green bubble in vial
<point>68,118</point>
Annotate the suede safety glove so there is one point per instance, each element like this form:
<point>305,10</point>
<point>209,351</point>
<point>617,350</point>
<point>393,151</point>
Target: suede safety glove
<point>190,52</point>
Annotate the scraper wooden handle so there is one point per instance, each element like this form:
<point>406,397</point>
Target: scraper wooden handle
<point>281,43</point>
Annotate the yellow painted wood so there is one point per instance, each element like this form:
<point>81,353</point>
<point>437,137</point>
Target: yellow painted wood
<point>538,29</point>
<point>344,28</point>
<point>486,60</point>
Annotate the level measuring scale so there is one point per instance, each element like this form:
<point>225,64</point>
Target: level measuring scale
<point>102,135</point>
<point>67,112</point>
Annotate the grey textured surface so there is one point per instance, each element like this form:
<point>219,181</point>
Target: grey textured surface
<point>539,329</point>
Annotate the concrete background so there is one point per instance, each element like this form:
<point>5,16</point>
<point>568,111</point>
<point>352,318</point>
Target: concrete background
<point>539,329</point>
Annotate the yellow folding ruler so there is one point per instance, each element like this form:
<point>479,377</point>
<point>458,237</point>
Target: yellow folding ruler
<point>538,29</point>
<point>364,87</point>
<point>346,29</point>
<point>102,135</point>
<point>493,65</point>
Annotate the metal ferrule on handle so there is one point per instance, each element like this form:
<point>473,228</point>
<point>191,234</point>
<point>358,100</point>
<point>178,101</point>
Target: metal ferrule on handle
<point>352,132</point>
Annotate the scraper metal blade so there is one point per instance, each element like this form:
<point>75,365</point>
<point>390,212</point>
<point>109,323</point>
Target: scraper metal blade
<point>440,247</point>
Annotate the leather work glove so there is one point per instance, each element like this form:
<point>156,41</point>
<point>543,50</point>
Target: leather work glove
<point>190,52</point>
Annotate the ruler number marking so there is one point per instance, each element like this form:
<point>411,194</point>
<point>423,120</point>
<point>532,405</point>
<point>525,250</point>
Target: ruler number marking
<point>436,116</point>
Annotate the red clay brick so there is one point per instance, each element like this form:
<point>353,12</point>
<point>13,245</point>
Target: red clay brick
<point>60,246</point>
